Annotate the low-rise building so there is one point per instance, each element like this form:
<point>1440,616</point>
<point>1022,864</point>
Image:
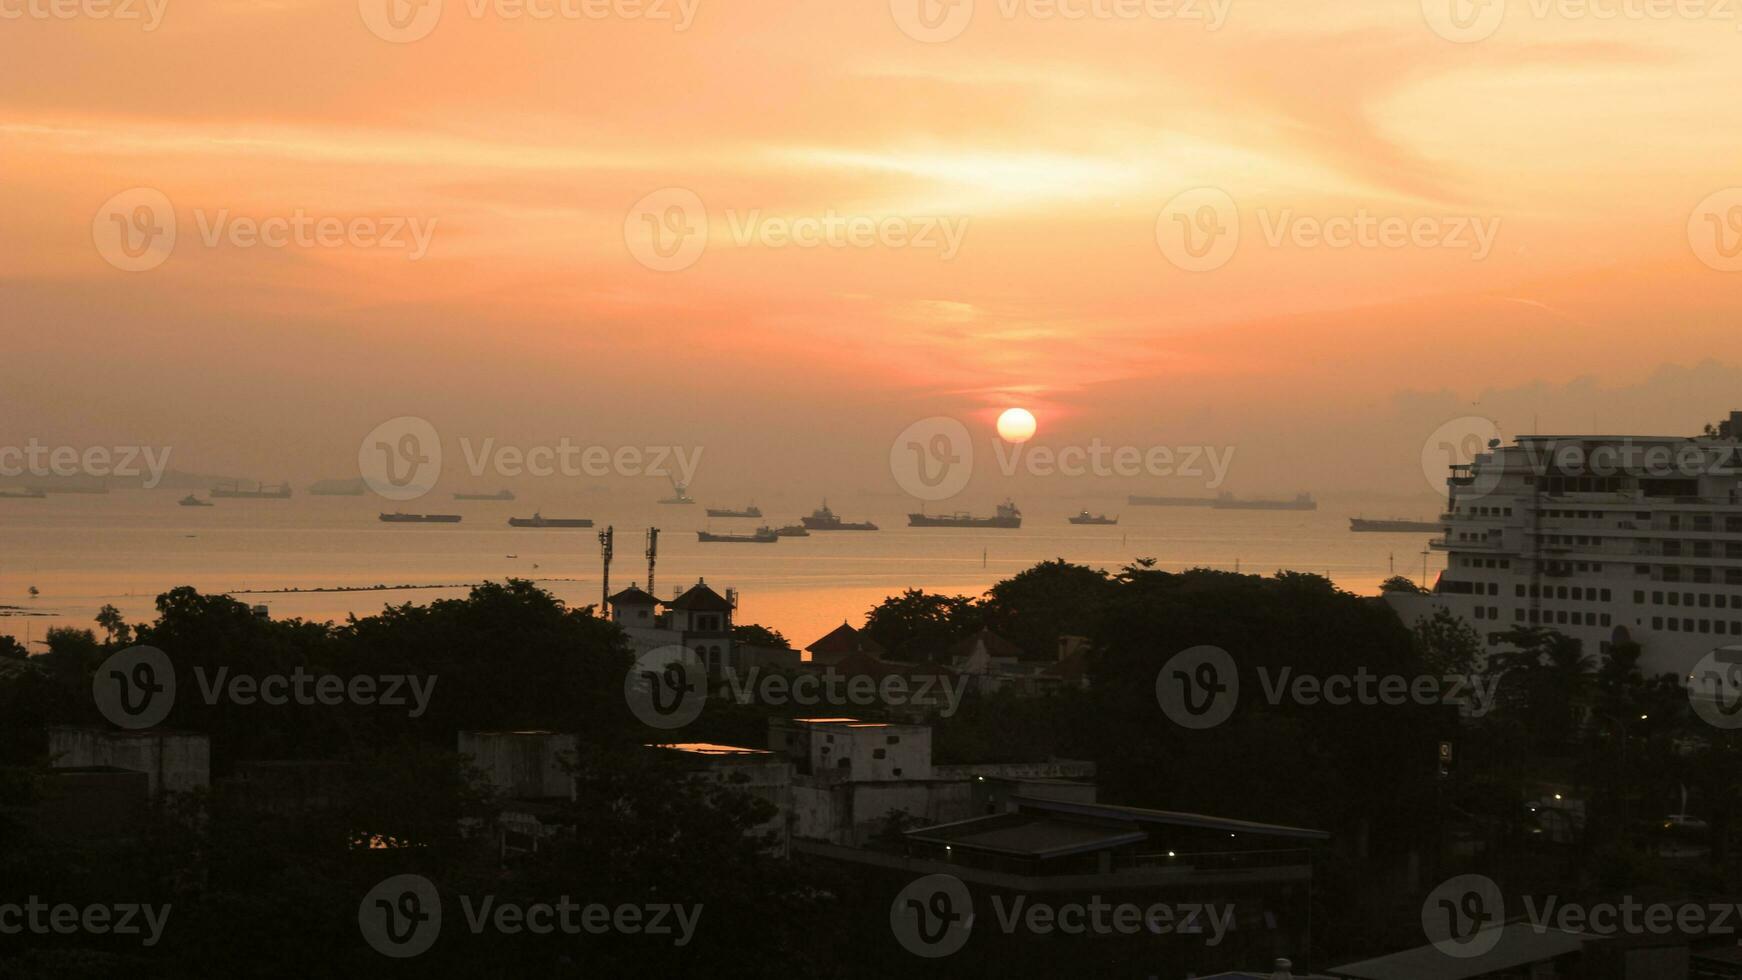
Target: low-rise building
<point>173,761</point>
<point>697,619</point>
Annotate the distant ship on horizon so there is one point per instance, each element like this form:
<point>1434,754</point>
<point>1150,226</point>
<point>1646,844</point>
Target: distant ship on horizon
<point>233,490</point>
<point>1303,501</point>
<point>402,518</point>
<point>1098,519</point>
<point>762,535</point>
<point>498,495</point>
<point>192,501</point>
<point>539,520</point>
<point>750,511</point>
<point>1394,525</point>
<point>680,494</point>
<point>1008,517</point>
<point>824,519</point>
<point>28,493</point>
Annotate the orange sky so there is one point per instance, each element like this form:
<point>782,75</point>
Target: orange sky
<point>1053,145</point>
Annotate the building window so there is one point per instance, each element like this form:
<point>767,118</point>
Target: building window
<point>879,753</point>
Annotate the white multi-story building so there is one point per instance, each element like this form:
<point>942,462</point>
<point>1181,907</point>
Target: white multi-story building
<point>1599,538</point>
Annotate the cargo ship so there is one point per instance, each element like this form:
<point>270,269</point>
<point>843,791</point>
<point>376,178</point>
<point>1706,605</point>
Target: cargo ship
<point>399,518</point>
<point>498,495</point>
<point>260,491</point>
<point>192,501</point>
<point>680,494</point>
<point>1099,519</point>
<point>793,531</point>
<point>824,519</point>
<point>539,520</point>
<point>750,511</point>
<point>27,494</point>
<point>1304,501</point>
<point>763,535</point>
<point>1008,517</point>
<point>1140,501</point>
<point>1394,526</point>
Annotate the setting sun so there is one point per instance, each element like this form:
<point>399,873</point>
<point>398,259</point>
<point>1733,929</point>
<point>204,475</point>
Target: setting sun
<point>1016,425</point>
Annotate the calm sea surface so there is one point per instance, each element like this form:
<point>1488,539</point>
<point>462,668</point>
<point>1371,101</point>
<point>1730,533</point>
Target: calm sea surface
<point>125,547</point>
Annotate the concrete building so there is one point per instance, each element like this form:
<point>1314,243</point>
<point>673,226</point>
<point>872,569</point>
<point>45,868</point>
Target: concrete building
<point>527,769</point>
<point>854,781</point>
<point>1599,537</point>
<point>173,762</point>
<point>698,619</point>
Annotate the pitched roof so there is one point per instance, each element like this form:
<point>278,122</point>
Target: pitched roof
<point>634,595</point>
<point>992,643</point>
<point>700,598</point>
<point>845,639</point>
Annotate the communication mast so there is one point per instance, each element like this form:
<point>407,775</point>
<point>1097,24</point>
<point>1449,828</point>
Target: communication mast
<point>606,548</point>
<point>652,556</point>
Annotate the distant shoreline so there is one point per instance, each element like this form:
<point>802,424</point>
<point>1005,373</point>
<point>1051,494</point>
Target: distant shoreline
<point>373,588</point>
